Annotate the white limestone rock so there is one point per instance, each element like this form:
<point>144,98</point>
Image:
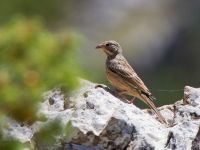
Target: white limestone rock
<point>103,121</point>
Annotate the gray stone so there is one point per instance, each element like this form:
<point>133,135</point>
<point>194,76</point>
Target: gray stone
<point>102,121</point>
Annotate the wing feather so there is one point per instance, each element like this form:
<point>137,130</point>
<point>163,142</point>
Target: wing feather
<point>125,71</point>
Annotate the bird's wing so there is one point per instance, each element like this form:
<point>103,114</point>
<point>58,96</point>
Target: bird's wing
<point>125,71</point>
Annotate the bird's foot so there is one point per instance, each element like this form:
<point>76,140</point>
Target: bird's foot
<point>128,101</point>
<point>121,95</point>
<point>124,99</point>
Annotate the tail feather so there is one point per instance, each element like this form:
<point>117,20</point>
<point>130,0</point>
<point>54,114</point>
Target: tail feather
<point>149,102</point>
<point>152,97</point>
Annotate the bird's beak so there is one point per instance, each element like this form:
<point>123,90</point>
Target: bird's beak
<point>99,46</point>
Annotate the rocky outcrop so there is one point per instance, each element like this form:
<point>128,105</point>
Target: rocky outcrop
<point>100,121</point>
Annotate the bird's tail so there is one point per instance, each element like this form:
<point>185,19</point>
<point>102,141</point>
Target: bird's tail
<point>149,102</point>
<point>152,97</point>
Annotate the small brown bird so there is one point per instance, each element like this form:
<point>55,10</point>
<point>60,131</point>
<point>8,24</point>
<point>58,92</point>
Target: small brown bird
<point>122,76</point>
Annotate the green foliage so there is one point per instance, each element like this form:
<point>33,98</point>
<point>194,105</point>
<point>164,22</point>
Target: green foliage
<point>33,60</point>
<point>53,132</point>
<point>47,135</point>
<point>49,10</point>
<point>10,144</point>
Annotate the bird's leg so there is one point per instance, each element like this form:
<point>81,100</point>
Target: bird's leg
<point>124,99</point>
<point>121,94</point>
<point>132,100</point>
<point>117,93</point>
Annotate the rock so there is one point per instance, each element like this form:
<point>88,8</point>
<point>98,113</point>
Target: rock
<point>11,128</point>
<point>102,121</point>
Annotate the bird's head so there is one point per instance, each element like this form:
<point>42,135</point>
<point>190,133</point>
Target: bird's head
<point>111,48</point>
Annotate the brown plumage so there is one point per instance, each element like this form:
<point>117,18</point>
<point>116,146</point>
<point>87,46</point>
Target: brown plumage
<point>122,76</point>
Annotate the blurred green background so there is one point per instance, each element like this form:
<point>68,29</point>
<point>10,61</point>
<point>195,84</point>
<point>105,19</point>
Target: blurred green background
<point>48,43</point>
<point>159,38</point>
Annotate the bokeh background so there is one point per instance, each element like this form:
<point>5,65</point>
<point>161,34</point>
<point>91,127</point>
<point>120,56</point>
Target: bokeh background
<point>160,38</point>
<point>45,43</point>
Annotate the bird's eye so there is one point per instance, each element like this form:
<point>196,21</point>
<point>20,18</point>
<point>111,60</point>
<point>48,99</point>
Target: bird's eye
<point>108,44</point>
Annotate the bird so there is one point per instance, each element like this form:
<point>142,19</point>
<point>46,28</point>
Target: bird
<point>123,77</point>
